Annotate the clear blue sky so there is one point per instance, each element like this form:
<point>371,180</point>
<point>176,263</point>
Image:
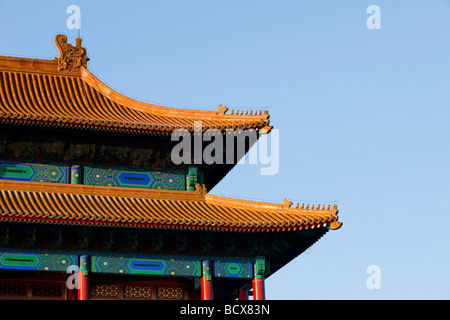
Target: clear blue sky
<point>363,115</point>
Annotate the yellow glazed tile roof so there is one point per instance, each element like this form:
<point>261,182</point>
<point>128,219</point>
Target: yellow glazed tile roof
<point>48,93</point>
<point>127,207</point>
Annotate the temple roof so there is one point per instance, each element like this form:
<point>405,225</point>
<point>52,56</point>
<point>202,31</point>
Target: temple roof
<point>63,93</point>
<point>41,202</point>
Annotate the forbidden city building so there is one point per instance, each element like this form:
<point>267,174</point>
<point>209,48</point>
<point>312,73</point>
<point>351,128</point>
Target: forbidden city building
<point>87,185</point>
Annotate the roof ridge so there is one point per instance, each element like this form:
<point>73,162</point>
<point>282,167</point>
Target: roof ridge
<point>33,65</point>
<point>119,98</point>
<point>286,205</point>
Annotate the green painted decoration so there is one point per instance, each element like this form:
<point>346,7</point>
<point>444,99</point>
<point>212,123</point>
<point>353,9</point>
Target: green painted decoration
<point>33,172</point>
<point>233,269</point>
<point>84,264</point>
<point>260,267</point>
<point>36,261</point>
<point>133,178</point>
<point>76,175</point>
<point>191,179</point>
<point>207,269</point>
<point>159,267</point>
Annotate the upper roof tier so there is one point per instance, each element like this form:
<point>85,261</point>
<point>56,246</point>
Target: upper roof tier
<point>63,93</point>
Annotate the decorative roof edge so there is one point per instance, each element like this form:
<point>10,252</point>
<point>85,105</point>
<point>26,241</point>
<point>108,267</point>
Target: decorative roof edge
<point>97,84</point>
<point>31,65</point>
<point>199,195</point>
<point>72,61</point>
<point>286,205</point>
<point>277,217</point>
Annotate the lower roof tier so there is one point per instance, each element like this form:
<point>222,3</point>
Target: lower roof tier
<point>160,209</point>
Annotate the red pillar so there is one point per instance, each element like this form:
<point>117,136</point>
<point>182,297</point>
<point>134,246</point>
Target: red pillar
<point>83,278</point>
<point>259,292</point>
<point>243,294</point>
<point>206,282</point>
<point>71,294</point>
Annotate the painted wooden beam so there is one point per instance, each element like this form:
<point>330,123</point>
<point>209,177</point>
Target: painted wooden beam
<point>36,261</point>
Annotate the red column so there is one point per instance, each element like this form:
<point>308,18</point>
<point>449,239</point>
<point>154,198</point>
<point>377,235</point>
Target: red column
<point>258,279</point>
<point>243,294</point>
<point>83,278</point>
<point>71,294</point>
<point>206,282</point>
<point>259,292</point>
